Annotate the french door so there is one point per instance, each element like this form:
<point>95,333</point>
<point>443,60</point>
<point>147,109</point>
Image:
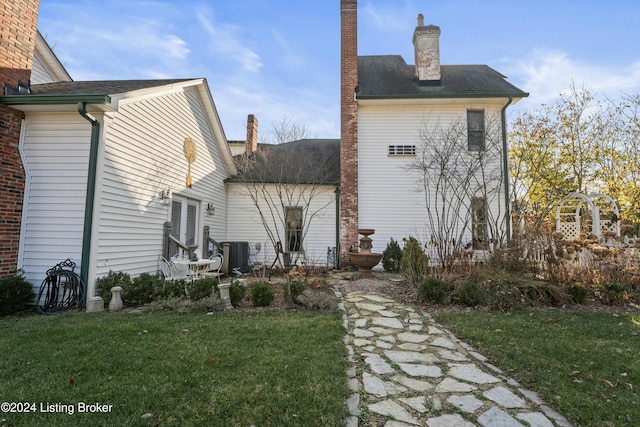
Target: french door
<point>184,222</point>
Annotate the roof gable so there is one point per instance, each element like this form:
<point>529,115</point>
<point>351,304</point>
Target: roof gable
<point>46,65</point>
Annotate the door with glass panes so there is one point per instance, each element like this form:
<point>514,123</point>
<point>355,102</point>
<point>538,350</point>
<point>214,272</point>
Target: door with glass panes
<point>184,222</point>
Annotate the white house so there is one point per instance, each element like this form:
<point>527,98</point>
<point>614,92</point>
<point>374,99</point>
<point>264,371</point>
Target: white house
<point>108,164</point>
<point>286,195</point>
<point>399,122</point>
<point>106,168</point>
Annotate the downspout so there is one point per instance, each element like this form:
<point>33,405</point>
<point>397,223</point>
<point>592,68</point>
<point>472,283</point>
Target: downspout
<point>89,199</point>
<point>505,167</point>
<point>337,260</point>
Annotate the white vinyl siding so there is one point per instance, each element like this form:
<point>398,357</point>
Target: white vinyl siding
<point>39,72</point>
<point>140,156</point>
<point>56,152</point>
<point>143,157</point>
<point>390,198</point>
<point>245,225</point>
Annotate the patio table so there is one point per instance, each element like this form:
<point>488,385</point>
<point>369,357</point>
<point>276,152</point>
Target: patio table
<point>195,267</point>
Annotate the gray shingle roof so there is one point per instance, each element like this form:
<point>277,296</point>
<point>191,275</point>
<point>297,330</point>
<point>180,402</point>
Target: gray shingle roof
<point>389,76</point>
<point>305,161</point>
<point>105,87</point>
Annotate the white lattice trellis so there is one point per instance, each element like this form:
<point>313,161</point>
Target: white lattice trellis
<point>576,210</point>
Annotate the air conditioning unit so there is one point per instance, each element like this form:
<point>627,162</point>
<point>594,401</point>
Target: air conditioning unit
<point>239,256</point>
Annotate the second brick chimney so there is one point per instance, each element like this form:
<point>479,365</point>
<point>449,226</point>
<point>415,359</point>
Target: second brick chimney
<point>252,135</point>
<point>426,41</point>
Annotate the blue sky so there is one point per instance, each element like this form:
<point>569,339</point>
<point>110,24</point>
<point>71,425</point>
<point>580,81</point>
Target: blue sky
<point>278,59</point>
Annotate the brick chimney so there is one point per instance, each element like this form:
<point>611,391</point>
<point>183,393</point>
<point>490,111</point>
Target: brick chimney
<point>18,29</point>
<point>252,135</point>
<point>426,41</point>
<point>348,128</point>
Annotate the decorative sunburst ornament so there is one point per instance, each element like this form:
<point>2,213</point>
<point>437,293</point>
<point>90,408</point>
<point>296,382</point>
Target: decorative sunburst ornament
<point>190,153</point>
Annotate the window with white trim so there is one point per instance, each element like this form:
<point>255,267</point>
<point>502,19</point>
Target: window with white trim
<point>479,222</point>
<point>293,219</point>
<point>475,130</point>
<point>402,150</point>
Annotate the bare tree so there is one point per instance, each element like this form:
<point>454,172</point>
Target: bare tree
<point>461,187</point>
<point>284,181</point>
<point>286,130</point>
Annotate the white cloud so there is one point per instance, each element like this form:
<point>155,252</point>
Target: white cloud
<point>391,17</point>
<point>224,40</point>
<point>291,57</point>
<point>546,73</point>
<point>139,49</point>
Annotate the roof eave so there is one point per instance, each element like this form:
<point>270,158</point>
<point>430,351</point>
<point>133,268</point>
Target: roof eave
<point>446,96</point>
<point>59,103</point>
<point>12,100</point>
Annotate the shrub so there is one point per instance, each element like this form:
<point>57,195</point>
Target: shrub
<point>470,294</point>
<point>296,287</point>
<point>392,256</point>
<point>434,290</point>
<point>201,288</point>
<point>613,293</point>
<point>16,293</point>
<point>415,263</point>
<point>261,294</point>
<point>104,285</point>
<point>318,300</point>
<point>578,293</point>
<point>513,293</point>
<point>169,289</point>
<point>140,290</point>
<point>237,292</point>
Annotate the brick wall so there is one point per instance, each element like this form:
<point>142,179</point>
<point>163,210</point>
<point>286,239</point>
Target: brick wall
<point>348,129</point>
<point>18,29</point>
<point>12,179</point>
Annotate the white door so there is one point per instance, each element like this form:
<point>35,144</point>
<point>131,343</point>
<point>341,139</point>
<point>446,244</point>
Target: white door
<point>184,222</point>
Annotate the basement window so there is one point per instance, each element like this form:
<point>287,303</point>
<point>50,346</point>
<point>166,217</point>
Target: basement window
<point>402,150</point>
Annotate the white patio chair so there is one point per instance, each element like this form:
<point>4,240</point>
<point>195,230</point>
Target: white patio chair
<point>180,270</point>
<point>170,270</point>
<point>213,270</point>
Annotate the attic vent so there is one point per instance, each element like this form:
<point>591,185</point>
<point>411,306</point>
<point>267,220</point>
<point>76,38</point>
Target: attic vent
<point>402,150</point>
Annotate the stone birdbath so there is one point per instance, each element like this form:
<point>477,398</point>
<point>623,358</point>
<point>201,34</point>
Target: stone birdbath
<point>365,260</point>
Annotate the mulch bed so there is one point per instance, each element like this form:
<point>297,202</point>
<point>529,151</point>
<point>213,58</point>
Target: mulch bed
<point>393,286</point>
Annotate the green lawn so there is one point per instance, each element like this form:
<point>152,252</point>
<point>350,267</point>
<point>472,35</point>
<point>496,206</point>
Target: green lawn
<point>268,368</point>
<point>586,365</point>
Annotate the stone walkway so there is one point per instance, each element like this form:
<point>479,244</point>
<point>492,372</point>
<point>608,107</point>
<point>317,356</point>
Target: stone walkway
<point>406,370</point>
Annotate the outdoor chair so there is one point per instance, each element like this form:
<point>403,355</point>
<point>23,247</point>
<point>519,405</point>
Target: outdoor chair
<point>172,271</point>
<point>213,270</point>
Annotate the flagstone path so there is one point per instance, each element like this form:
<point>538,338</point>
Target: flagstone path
<point>406,370</point>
